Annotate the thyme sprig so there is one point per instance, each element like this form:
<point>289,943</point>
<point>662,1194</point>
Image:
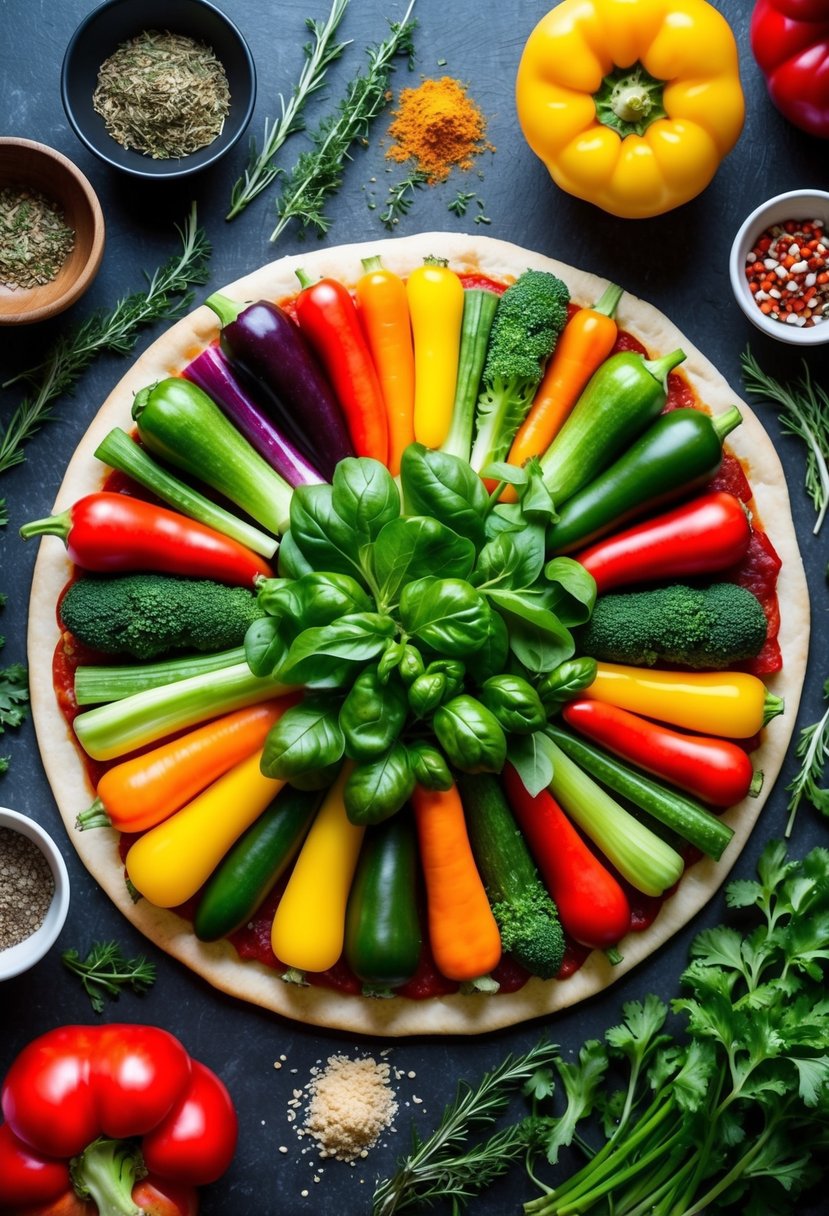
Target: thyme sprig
<point>446,1165</point>
<point>319,171</point>
<point>813,752</point>
<point>113,331</point>
<point>804,412</point>
<point>401,197</point>
<point>106,970</point>
<point>260,170</point>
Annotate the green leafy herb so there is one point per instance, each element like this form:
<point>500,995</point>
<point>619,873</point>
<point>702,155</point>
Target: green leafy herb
<point>319,172</point>
<point>448,1165</point>
<point>460,203</point>
<point>114,331</point>
<point>106,971</point>
<point>14,695</point>
<point>803,410</point>
<point>260,170</point>
<point>813,752</point>
<point>401,197</point>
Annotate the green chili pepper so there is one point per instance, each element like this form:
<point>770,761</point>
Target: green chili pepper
<point>681,450</point>
<point>372,715</point>
<point>515,703</point>
<point>470,735</point>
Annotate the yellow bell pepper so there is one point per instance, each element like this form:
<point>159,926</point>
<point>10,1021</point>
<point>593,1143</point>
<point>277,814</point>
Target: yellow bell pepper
<point>733,704</point>
<point>308,928</point>
<point>631,104</point>
<point>169,863</point>
<point>435,295</point>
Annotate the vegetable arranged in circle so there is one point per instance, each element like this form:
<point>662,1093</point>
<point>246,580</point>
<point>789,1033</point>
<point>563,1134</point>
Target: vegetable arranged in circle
<point>378,720</point>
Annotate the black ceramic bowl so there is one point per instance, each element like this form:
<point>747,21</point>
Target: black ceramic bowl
<point>103,31</point>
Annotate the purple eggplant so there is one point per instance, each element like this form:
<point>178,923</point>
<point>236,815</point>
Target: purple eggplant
<point>211,371</point>
<point>268,347</point>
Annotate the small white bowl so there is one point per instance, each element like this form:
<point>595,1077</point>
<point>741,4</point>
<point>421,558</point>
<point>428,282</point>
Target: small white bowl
<point>31,950</point>
<point>793,205</point>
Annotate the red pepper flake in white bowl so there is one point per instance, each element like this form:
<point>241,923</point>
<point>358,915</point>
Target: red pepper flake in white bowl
<point>788,272</point>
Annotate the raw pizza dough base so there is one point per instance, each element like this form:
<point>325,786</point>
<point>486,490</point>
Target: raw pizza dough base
<point>218,962</point>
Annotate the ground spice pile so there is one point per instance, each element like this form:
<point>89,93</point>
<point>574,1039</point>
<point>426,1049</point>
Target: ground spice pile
<point>438,126</point>
<point>35,239</point>
<point>351,1104</point>
<point>163,94</point>
<point>26,888</point>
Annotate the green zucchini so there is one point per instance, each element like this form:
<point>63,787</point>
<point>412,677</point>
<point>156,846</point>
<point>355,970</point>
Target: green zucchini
<point>252,867</point>
<point>524,912</point>
<point>382,925</point>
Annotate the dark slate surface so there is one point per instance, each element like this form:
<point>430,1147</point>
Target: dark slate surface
<point>678,261</point>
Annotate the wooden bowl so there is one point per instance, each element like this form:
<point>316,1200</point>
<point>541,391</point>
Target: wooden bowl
<point>26,163</point>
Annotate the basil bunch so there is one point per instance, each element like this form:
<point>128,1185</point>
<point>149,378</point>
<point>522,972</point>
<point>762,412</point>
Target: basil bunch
<point>427,633</point>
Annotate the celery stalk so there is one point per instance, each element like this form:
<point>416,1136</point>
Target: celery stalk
<point>122,726</point>
<point>98,685</point>
<point>479,307</point>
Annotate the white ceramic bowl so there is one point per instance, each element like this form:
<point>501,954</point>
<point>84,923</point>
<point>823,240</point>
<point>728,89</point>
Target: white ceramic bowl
<point>25,954</point>
<point>793,205</point>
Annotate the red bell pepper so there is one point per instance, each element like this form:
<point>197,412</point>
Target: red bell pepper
<point>715,770</point>
<point>790,41</point>
<point>328,318</point>
<point>114,533</point>
<point>593,908</point>
<point>90,1110</point>
<point>704,535</point>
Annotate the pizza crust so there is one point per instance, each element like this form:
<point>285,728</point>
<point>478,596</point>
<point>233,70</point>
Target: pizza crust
<point>218,963</point>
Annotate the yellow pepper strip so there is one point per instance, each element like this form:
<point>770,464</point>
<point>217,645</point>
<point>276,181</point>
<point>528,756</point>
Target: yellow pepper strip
<point>631,104</point>
<point>384,309</point>
<point>728,703</point>
<point>309,926</point>
<point>168,864</point>
<point>436,308</point>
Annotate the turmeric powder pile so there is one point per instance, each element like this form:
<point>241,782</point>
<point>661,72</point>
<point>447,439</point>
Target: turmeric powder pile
<point>438,126</point>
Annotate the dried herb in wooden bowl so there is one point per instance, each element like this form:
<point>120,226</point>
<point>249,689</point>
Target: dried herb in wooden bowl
<point>35,239</point>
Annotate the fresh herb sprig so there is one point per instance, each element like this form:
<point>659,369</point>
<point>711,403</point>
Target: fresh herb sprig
<point>14,700</point>
<point>813,752</point>
<point>319,54</point>
<point>446,1165</point>
<point>401,197</point>
<point>106,971</point>
<point>319,171</point>
<point>166,297</point>
<point>804,412</point>
<point>460,203</point>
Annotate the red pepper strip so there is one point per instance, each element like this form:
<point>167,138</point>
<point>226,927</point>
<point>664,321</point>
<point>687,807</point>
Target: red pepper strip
<point>707,534</point>
<point>715,770</point>
<point>114,533</point>
<point>329,320</point>
<point>593,908</point>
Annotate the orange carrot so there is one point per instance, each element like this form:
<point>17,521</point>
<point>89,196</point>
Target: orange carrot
<point>464,937</point>
<point>586,341</point>
<point>141,792</point>
<point>384,309</point>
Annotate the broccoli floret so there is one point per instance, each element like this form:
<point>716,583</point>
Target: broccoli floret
<point>147,615</point>
<point>715,627</point>
<point>530,316</point>
<point>531,931</point>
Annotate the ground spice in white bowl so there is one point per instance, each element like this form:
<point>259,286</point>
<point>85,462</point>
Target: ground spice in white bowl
<point>26,888</point>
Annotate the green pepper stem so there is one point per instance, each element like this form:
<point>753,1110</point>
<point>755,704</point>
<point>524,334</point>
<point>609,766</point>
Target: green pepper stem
<point>105,1172</point>
<point>608,300</point>
<point>226,310</point>
<point>725,423</point>
<point>53,525</point>
<point>139,401</point>
<point>372,263</point>
<point>305,279</point>
<point>94,816</point>
<point>659,368</point>
<point>772,706</point>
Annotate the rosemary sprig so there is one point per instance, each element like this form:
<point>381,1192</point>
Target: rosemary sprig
<point>113,331</point>
<point>446,1166</point>
<point>106,971</point>
<point>401,197</point>
<point>804,412</point>
<point>813,752</point>
<point>261,170</point>
<point>319,171</point>
<point>460,203</point>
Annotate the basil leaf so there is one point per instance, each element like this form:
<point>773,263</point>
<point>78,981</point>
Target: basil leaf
<point>512,474</point>
<point>291,563</point>
<point>446,614</point>
<point>372,715</point>
<point>537,637</point>
<point>566,681</point>
<point>574,592</point>
<point>470,735</point>
<point>428,766</point>
<point>512,559</point>
<point>389,661</point>
<point>514,702</point>
<point>323,598</point>
<point>305,738</point>
<point>492,656</point>
<point>324,540</point>
<point>536,501</point>
<point>265,646</point>
<point>328,656</point>
<point>379,789</point>
<point>445,487</point>
<point>506,517</point>
<point>532,758</point>
<point>365,497</point>
<point>415,547</point>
